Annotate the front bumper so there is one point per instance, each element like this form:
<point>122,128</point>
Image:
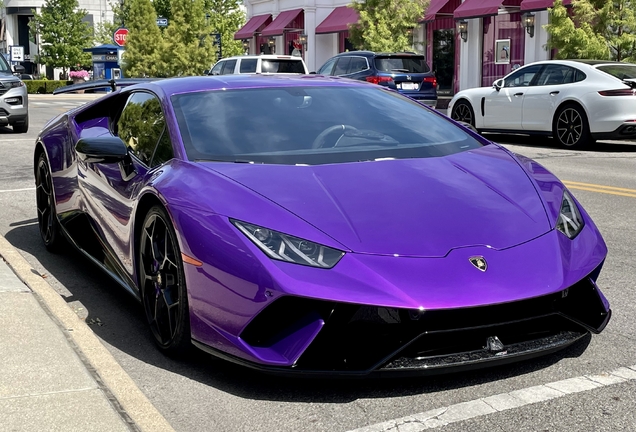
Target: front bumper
<point>361,340</point>
<point>14,104</point>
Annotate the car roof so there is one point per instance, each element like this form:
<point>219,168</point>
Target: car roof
<point>191,84</point>
<point>264,56</point>
<point>379,54</point>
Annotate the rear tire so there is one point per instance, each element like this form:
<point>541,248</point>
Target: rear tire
<point>162,284</point>
<point>571,128</point>
<point>45,203</point>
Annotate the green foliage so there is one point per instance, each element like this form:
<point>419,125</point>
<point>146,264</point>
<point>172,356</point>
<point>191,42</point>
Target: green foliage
<point>596,29</point>
<point>189,47</point>
<point>225,17</point>
<point>163,8</point>
<point>44,86</point>
<point>386,25</point>
<point>145,46</point>
<point>104,31</point>
<point>63,34</point>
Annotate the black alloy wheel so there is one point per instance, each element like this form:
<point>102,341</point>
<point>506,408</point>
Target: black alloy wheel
<point>463,112</point>
<point>45,203</point>
<point>162,283</point>
<point>571,128</point>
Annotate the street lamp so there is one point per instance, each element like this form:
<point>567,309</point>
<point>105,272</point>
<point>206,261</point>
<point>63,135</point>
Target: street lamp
<point>462,28</point>
<point>528,23</point>
<point>246,46</point>
<point>302,38</point>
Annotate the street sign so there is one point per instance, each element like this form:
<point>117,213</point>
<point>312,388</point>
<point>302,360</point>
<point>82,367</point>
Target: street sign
<point>120,35</point>
<point>17,53</point>
<point>162,22</point>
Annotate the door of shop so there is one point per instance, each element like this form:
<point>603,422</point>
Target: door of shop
<point>444,59</point>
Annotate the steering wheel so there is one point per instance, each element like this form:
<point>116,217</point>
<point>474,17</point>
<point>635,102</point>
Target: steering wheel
<point>319,142</point>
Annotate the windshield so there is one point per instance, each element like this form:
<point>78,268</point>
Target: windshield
<point>4,66</point>
<point>312,125</point>
<point>620,71</point>
<point>406,64</point>
<point>282,66</point>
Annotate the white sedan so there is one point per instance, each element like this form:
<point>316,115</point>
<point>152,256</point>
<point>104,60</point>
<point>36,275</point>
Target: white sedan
<point>575,101</point>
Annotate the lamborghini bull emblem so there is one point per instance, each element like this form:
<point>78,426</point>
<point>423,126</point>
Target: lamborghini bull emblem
<point>479,262</point>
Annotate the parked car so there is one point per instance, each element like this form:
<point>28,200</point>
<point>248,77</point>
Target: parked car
<point>266,63</point>
<point>14,99</point>
<point>407,73</point>
<point>575,101</point>
<point>319,226</point>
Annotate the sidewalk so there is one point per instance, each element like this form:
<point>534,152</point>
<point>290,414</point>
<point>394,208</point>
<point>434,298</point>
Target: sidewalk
<point>54,372</point>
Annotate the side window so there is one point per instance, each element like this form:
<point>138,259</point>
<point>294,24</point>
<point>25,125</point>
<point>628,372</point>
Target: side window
<point>248,65</point>
<point>522,77</point>
<point>579,76</point>
<point>358,64</point>
<point>228,69</point>
<point>556,75</point>
<point>342,66</point>
<point>327,67</point>
<point>141,126</point>
<point>216,70</point>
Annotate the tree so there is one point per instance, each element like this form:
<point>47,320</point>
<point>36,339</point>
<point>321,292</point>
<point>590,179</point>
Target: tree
<point>386,25</point>
<point>189,47</point>
<point>226,17</point>
<point>163,8</point>
<point>63,33</point>
<point>145,44</point>
<point>595,29</point>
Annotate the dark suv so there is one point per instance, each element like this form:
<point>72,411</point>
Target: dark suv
<point>407,73</point>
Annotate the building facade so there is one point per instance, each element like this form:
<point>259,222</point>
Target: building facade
<point>468,43</point>
<point>14,28</point>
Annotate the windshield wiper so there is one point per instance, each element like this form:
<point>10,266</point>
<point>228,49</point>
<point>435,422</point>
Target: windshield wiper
<point>399,70</point>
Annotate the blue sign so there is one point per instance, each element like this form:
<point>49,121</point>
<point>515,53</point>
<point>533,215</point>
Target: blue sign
<point>162,22</point>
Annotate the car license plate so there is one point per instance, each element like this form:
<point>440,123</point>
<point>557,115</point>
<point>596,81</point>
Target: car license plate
<point>409,86</point>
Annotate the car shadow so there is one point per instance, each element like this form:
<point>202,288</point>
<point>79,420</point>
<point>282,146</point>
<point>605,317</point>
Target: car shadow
<point>545,142</point>
<point>117,318</point>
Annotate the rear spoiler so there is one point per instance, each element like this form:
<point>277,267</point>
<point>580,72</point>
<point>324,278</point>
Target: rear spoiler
<point>111,84</point>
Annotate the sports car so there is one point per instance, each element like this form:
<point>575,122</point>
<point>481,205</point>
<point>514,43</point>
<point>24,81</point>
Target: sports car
<point>575,101</point>
<point>319,225</point>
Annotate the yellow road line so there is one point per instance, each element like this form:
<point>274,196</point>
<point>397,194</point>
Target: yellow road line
<point>605,191</point>
<point>613,188</point>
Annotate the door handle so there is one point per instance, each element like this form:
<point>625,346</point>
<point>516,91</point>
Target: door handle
<point>554,93</point>
<point>518,94</point>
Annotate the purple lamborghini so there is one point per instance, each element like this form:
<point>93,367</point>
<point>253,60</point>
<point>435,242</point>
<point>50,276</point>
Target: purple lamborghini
<point>319,225</point>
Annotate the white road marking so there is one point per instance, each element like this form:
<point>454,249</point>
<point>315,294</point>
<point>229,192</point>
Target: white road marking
<point>17,190</point>
<point>16,139</point>
<point>480,407</point>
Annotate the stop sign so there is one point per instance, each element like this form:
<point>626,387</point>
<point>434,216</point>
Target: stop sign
<point>120,36</point>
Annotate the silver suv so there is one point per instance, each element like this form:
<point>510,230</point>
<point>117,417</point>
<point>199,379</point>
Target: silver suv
<point>265,63</point>
<point>14,100</point>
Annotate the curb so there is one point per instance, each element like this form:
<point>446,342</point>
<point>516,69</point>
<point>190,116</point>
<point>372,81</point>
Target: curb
<point>132,401</point>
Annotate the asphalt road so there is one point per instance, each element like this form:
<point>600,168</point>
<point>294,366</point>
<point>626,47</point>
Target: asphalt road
<point>202,393</point>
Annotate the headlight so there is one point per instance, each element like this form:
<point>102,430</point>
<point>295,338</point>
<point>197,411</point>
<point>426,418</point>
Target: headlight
<point>284,247</point>
<point>12,84</point>
<point>570,221</point>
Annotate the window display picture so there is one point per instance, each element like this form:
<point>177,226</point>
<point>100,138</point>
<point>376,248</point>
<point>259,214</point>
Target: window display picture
<point>502,51</point>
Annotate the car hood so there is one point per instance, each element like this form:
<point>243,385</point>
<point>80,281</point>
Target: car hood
<point>406,207</point>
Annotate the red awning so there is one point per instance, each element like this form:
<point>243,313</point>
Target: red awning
<point>434,8</point>
<point>253,25</point>
<point>537,5</point>
<point>277,27</point>
<point>338,20</point>
<point>478,8</point>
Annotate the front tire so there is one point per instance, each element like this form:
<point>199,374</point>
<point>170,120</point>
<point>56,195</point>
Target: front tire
<point>463,113</point>
<point>162,284</point>
<point>571,128</point>
<point>22,127</point>
<point>45,202</point>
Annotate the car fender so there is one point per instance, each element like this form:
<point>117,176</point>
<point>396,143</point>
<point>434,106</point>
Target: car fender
<point>474,97</point>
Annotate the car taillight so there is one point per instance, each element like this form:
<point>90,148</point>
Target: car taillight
<point>379,79</point>
<point>431,80</point>
<point>618,92</point>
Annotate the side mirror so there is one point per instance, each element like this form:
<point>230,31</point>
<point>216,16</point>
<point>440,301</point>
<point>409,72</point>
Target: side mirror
<point>19,69</point>
<point>498,85</point>
<point>206,72</point>
<point>107,149</point>
<point>312,73</point>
